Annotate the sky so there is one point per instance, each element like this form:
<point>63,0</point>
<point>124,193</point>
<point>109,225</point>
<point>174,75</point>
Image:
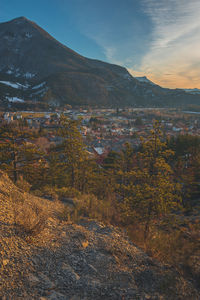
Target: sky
<point>159,39</point>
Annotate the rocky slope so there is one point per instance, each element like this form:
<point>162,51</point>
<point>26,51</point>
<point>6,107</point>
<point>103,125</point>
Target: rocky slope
<point>75,261</point>
<point>36,71</point>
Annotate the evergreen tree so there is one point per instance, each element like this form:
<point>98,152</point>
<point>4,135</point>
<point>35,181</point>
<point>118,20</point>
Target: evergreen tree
<point>186,165</point>
<point>18,155</point>
<point>70,155</point>
<point>150,191</point>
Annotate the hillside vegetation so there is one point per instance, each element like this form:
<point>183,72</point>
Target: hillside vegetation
<point>59,205</point>
<point>42,256</point>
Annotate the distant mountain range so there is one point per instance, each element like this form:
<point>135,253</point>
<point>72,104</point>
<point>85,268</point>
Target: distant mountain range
<point>144,79</point>
<point>193,91</point>
<point>36,71</point>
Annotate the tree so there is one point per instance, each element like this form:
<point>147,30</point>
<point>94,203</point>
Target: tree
<point>151,192</point>
<point>70,154</point>
<point>186,165</point>
<point>138,121</point>
<point>18,155</point>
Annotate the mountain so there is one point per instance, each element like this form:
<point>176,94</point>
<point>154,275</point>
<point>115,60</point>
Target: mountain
<point>36,71</point>
<point>192,91</point>
<point>144,79</point>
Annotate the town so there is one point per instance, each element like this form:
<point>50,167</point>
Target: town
<point>104,130</point>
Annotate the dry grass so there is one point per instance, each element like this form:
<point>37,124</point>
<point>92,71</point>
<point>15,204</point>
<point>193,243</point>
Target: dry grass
<point>31,213</point>
<point>89,206</point>
<point>179,247</point>
<point>23,184</point>
<point>29,218</point>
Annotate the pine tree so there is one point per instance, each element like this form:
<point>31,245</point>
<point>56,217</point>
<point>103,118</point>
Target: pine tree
<point>18,155</point>
<point>150,191</point>
<point>70,155</point>
<point>186,165</point>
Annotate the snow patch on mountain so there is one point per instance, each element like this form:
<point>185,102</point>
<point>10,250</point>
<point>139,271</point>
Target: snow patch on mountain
<point>14,99</point>
<point>39,85</point>
<point>9,72</point>
<point>40,92</point>
<point>192,91</point>
<point>15,85</point>
<point>144,79</point>
<point>29,75</point>
<point>127,76</point>
<point>13,71</point>
<point>28,35</point>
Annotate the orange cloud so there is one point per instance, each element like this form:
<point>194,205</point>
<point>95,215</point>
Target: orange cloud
<point>173,59</point>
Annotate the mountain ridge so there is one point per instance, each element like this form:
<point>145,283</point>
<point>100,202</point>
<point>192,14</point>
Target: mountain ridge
<point>30,56</point>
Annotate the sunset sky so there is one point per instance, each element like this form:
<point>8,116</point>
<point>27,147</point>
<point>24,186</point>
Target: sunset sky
<point>156,38</point>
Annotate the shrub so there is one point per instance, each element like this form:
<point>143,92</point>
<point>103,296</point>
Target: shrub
<point>46,192</point>
<point>29,217</point>
<point>23,184</point>
<point>88,206</point>
<point>175,245</point>
<point>67,192</point>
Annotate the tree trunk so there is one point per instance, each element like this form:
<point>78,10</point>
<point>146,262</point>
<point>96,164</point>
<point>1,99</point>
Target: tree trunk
<point>15,167</point>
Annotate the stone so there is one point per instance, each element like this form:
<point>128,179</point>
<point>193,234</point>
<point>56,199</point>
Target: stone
<point>33,279</point>
<point>46,282</point>
<point>68,270</point>
<point>57,296</point>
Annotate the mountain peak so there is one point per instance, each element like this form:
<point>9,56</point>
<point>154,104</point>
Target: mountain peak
<point>18,20</point>
<point>17,23</point>
<point>144,79</point>
<point>22,18</point>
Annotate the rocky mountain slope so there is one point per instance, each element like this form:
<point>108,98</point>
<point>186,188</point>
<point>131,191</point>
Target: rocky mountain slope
<point>145,79</point>
<point>38,71</point>
<point>192,91</point>
<point>62,260</point>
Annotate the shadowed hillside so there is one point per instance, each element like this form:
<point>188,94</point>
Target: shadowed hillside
<point>44,257</point>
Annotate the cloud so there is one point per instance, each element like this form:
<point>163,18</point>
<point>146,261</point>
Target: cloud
<point>175,43</point>
<point>116,27</point>
<point>152,37</point>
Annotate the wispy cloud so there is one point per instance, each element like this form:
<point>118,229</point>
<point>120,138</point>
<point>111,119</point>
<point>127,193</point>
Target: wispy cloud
<point>152,37</point>
<point>117,27</point>
<point>175,42</point>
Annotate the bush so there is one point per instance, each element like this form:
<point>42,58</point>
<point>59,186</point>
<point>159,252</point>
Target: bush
<point>46,192</point>
<point>67,192</point>
<point>178,246</point>
<point>23,184</point>
<point>29,217</point>
<point>54,193</point>
<point>88,206</point>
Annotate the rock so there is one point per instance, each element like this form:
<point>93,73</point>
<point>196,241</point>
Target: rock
<point>68,270</point>
<point>57,296</point>
<point>75,297</point>
<point>92,268</point>
<point>46,282</point>
<point>33,279</point>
